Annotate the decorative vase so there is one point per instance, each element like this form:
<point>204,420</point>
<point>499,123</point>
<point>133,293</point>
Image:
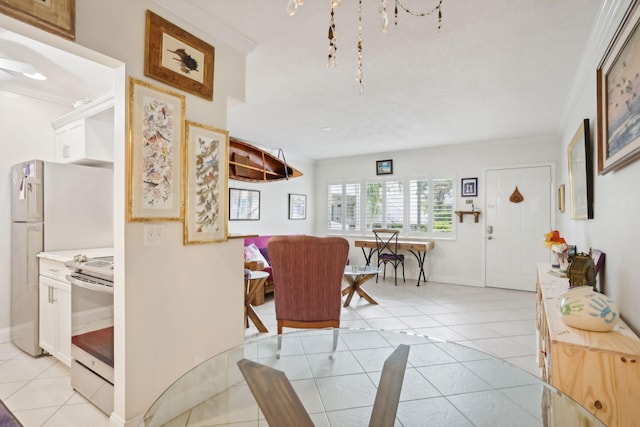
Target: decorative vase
<point>584,308</point>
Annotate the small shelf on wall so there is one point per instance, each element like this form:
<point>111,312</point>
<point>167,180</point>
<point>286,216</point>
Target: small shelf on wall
<point>461,214</point>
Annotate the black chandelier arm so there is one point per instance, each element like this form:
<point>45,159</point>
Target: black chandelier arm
<point>437,8</point>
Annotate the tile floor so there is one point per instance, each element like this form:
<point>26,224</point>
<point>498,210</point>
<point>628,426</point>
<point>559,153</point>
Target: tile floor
<point>496,321</point>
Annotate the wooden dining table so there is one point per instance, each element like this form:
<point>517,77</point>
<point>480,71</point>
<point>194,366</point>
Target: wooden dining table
<point>417,249</point>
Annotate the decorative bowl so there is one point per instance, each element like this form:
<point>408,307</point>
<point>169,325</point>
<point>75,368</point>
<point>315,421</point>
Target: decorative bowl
<point>583,308</point>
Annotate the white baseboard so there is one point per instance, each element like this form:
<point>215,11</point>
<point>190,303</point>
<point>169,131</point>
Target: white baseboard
<point>5,335</point>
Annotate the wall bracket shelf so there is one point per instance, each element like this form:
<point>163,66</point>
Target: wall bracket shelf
<point>461,214</point>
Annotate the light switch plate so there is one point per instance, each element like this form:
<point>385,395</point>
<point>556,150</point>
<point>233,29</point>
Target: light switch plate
<point>153,235</point>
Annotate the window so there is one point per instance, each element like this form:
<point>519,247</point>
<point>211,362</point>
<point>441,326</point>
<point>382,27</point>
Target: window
<point>419,207</point>
<point>344,206</point>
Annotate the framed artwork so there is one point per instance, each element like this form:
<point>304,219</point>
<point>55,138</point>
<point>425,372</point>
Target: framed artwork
<point>178,58</point>
<point>469,187</point>
<point>55,16</point>
<point>244,205</point>
<point>384,167</point>
<point>580,173</point>
<point>156,118</point>
<point>561,198</point>
<point>297,206</point>
<point>206,172</point>
<point>618,104</point>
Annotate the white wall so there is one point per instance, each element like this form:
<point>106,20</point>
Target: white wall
<point>458,261</point>
<point>614,228</point>
<point>26,134</point>
<point>181,304</point>
<point>274,202</point>
<point>175,305</point>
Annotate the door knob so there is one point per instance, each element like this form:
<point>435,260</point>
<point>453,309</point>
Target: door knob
<point>489,229</point>
<point>490,238</point>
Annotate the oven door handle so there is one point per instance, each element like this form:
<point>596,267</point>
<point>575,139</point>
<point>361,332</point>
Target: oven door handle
<point>90,286</point>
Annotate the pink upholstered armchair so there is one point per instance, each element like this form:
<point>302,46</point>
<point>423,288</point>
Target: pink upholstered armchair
<point>307,272</point>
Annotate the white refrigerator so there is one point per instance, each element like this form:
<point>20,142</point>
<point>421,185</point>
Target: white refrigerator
<point>54,206</point>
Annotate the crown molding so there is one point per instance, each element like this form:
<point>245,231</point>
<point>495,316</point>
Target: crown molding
<point>195,16</point>
<point>604,28</point>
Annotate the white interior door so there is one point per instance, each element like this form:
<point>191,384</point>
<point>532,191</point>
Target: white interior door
<point>515,231</point>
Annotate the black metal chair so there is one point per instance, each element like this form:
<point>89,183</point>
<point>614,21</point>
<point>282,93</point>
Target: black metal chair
<point>387,249</point>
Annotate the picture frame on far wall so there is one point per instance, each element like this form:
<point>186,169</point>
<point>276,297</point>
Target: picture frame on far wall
<point>384,167</point>
<point>154,170</point>
<point>205,183</point>
<point>469,187</point>
<point>178,58</point>
<point>618,105</point>
<point>581,173</point>
<point>297,206</point>
<point>244,205</point>
<point>55,16</point>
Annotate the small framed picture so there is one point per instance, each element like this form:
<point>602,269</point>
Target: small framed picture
<point>244,205</point>
<point>384,167</point>
<point>469,187</point>
<point>297,206</point>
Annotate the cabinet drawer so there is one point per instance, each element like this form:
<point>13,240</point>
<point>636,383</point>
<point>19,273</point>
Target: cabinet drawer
<point>53,269</point>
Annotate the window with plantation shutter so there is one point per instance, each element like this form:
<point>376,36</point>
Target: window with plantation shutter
<point>344,206</point>
<point>417,207</point>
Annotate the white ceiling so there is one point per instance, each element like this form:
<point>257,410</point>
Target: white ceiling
<point>497,69</point>
<point>70,78</point>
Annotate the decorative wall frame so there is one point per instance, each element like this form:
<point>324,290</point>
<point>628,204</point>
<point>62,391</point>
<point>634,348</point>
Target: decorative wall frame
<point>55,16</point>
<point>156,118</point>
<point>206,172</point>
<point>469,187</point>
<point>384,167</point>
<point>561,198</point>
<point>581,173</point>
<point>178,58</point>
<point>297,206</point>
<point>618,106</point>
<point>244,205</point>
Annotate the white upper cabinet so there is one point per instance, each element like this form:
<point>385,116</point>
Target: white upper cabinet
<point>85,135</point>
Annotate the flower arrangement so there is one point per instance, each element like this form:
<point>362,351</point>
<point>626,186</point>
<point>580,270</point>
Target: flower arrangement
<point>558,247</point>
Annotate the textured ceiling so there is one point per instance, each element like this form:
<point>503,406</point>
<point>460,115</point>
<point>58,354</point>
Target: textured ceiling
<point>496,69</point>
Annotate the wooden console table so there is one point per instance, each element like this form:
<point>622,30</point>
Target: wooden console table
<point>600,370</point>
<point>417,249</point>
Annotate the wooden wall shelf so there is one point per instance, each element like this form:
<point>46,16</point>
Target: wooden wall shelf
<point>461,214</point>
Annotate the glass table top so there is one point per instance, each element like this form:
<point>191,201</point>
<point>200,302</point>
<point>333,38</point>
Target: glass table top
<point>444,384</point>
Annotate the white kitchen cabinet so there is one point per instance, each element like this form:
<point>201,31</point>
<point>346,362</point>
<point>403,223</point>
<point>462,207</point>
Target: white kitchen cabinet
<point>85,135</point>
<point>55,310</point>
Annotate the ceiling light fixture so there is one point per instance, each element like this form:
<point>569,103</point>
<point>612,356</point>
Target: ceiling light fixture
<point>24,68</point>
<point>292,8</point>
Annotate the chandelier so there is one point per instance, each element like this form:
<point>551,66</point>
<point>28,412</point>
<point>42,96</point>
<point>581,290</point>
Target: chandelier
<point>292,8</point>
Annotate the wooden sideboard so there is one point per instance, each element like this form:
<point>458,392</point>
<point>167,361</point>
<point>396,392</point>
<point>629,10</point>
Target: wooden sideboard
<point>600,370</point>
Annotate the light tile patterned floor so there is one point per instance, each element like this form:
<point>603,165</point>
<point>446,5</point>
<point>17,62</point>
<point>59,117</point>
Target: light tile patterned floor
<point>496,321</point>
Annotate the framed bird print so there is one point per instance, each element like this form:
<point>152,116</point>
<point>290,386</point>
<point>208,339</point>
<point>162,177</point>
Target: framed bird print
<point>154,169</point>
<point>205,185</point>
<point>178,58</point>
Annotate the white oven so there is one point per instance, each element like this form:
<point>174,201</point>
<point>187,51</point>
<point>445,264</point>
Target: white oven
<point>92,329</point>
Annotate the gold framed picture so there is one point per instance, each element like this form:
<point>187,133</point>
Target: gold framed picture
<point>618,104</point>
<point>178,58</point>
<point>55,16</point>
<point>156,118</point>
<point>205,183</point>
